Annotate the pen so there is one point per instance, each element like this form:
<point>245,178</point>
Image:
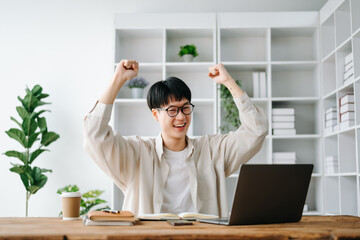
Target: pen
<point>111,211</point>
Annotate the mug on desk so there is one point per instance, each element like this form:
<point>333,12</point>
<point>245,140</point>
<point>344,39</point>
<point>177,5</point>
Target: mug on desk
<point>70,205</point>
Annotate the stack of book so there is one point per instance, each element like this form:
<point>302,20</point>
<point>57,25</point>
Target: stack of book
<point>259,85</point>
<point>347,114</point>
<point>110,218</point>
<point>284,157</point>
<point>330,120</point>
<point>283,121</point>
<point>331,164</point>
<point>348,68</point>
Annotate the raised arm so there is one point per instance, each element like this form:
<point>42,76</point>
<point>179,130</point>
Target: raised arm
<point>125,70</point>
<point>221,76</point>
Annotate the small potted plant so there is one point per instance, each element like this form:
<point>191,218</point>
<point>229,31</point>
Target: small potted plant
<point>188,52</point>
<point>137,85</point>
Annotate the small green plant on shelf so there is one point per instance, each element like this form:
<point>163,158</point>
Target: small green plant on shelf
<point>188,49</point>
<point>31,128</point>
<point>231,118</point>
<point>89,199</point>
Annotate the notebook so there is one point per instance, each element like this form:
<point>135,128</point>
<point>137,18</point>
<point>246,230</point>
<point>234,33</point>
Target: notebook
<point>268,194</point>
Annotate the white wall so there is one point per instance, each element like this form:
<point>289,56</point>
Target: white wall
<point>66,46</point>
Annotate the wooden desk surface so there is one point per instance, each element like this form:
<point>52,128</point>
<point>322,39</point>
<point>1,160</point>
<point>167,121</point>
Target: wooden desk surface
<point>310,227</point>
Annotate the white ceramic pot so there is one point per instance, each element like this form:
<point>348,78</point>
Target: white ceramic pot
<point>137,92</point>
<point>188,58</point>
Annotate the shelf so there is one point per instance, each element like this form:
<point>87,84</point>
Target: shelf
<point>297,136</point>
<point>342,23</point>
<point>243,45</point>
<point>296,99</point>
<point>328,36</point>
<point>294,44</point>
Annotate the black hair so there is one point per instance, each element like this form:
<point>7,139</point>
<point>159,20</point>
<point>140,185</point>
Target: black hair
<point>162,92</point>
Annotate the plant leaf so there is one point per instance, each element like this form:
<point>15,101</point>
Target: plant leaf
<point>43,95</point>
<point>36,90</point>
<point>18,135</point>
<point>42,124</point>
<point>30,102</point>
<point>17,169</point>
<point>68,188</point>
<point>37,114</point>
<point>49,137</point>
<point>32,139</point>
<point>92,194</point>
<point>35,154</point>
<point>20,155</point>
<point>22,112</point>
<point>16,121</point>
<point>25,180</point>
<point>43,170</point>
<point>29,125</point>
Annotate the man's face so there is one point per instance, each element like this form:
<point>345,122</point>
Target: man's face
<point>173,127</point>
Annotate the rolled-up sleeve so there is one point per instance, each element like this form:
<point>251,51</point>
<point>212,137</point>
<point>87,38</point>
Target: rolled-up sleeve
<point>115,155</point>
<point>238,147</point>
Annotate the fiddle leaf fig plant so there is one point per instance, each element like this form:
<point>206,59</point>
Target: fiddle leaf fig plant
<point>32,128</point>
<point>231,118</point>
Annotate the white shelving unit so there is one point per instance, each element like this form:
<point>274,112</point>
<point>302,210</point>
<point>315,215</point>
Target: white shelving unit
<point>298,76</point>
<point>340,27</point>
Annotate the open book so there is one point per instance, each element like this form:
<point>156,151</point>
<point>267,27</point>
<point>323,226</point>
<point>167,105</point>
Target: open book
<point>183,215</point>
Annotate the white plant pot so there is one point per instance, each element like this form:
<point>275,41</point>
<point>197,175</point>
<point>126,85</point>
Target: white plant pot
<point>188,58</point>
<point>137,92</point>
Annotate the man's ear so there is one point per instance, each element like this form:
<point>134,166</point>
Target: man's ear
<point>155,114</point>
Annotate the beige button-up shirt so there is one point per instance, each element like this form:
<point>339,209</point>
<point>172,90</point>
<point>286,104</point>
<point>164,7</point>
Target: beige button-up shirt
<point>137,167</point>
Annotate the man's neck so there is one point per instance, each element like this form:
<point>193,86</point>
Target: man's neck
<point>174,144</point>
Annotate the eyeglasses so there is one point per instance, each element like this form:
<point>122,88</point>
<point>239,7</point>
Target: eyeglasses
<point>173,111</point>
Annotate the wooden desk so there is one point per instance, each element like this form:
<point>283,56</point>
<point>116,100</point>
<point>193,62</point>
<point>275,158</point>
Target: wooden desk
<point>310,227</point>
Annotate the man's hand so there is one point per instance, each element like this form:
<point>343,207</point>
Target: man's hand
<point>126,70</point>
<point>220,74</point>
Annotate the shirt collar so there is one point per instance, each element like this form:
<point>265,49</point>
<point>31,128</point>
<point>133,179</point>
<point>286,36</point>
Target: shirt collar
<point>160,149</point>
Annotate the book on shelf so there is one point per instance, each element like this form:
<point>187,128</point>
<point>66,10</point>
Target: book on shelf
<point>348,73</point>
<point>283,124</point>
<point>256,84</point>
<point>283,111</point>
<point>263,87</point>
<point>349,107</point>
<point>284,161</point>
<point>348,98</point>
<point>102,218</point>
<point>171,216</point>
<point>277,131</point>
<point>349,80</point>
<point>331,109</point>
<point>284,155</point>
<point>283,118</point>
<point>330,130</point>
<point>347,124</point>
<point>348,66</point>
<point>330,123</point>
<point>330,115</point>
<point>347,116</point>
<point>348,58</point>
<point>331,164</point>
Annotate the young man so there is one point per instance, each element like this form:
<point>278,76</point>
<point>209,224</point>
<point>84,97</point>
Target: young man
<point>173,173</point>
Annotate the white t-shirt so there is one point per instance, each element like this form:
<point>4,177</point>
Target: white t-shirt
<point>177,197</point>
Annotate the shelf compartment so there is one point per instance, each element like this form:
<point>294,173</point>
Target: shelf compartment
<point>195,76</point>
<point>331,150</point>
<point>356,52</point>
<point>244,74</point>
<point>143,45</point>
<point>307,150</point>
<point>342,23</point>
<point>243,45</point>
<point>135,118</point>
<point>294,44</point>
<point>203,39</point>
<point>307,115</point>
<point>348,194</point>
<point>341,53</point>
<point>347,152</point>
<point>151,73</point>
<point>332,195</point>
<point>314,197</point>
<point>355,17</point>
<point>328,36</point>
<point>295,80</point>
<point>328,75</point>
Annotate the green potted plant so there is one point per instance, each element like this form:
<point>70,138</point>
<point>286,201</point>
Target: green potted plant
<point>88,200</point>
<point>137,85</point>
<point>31,128</point>
<point>231,118</point>
<point>188,52</point>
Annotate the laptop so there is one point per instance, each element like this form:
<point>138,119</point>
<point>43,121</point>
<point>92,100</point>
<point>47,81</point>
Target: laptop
<point>268,194</point>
